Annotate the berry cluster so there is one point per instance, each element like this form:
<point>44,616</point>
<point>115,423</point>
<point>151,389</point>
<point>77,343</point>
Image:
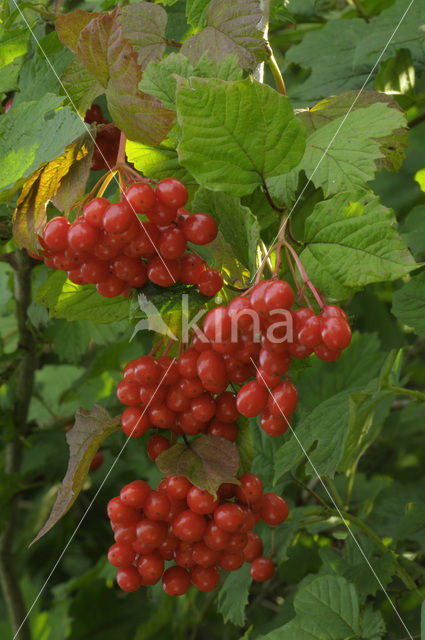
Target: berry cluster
<point>257,335</point>
<point>180,523</point>
<point>107,140</point>
<point>110,246</point>
<point>170,394</point>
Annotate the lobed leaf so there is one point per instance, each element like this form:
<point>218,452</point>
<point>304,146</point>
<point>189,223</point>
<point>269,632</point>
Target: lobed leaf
<point>236,135</point>
<point>89,431</point>
<point>409,303</point>
<point>233,596</point>
<point>350,242</point>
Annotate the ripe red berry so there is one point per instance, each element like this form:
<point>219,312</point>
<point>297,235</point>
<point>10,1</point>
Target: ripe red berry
<point>217,324</point>
<point>82,236</point>
<point>205,578</point>
<point>156,445</point>
<point>191,268</point>
<point>120,512</point>
<point>189,526</point>
<point>252,399</point>
<point>147,371</point>
<point>135,493</point>
<point>175,581</point>
<point>250,489</point>
<point>262,569</point>
<point>203,407</point>
<point>94,211</point>
<point>162,272</point>
<point>273,425</point>
<point>200,228</point>
<point>172,193</point>
<point>55,235</point>
<point>128,579</point>
<point>150,567</point>
<point>121,555</point>
<point>279,295</point>
<point>229,517</point>
<point>274,509</point>
<point>283,399</point>
<point>201,501</point>
<point>215,537</point>
<point>111,287</point>
<point>151,533</point>
<point>156,506</point>
<point>326,354</point>
<point>141,197</point>
<point>172,243</point>
<point>178,487</point>
<point>336,333</point>
<point>231,561</point>
<point>210,282</point>
<point>253,548</point>
<point>135,422</point>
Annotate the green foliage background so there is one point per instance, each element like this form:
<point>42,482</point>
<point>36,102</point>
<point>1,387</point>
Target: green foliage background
<point>360,222</point>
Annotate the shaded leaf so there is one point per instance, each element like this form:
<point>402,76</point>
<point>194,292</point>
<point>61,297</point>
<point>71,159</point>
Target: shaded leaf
<point>207,463</point>
<point>196,12</point>
<point>89,431</point>
<point>233,596</point>
<point>351,242</point>
<point>69,26</point>
<point>81,87</point>
<point>29,216</point>
<point>232,27</point>
<point>409,303</point>
<point>211,111</point>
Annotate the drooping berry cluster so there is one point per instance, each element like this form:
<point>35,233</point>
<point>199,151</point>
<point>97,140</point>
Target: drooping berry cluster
<point>107,140</point>
<point>170,394</point>
<point>188,527</point>
<point>112,247</point>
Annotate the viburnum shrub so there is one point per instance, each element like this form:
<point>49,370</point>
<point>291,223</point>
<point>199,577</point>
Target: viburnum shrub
<point>196,532</point>
<point>166,190</point>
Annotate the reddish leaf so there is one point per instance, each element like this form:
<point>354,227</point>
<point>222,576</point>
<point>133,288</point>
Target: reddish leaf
<point>144,26</point>
<point>89,431</point>
<point>93,45</point>
<point>232,27</point>
<point>69,26</point>
<point>207,462</point>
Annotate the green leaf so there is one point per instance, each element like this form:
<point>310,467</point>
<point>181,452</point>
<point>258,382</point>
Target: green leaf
<point>144,25</point>
<point>409,303</point>
<point>207,463</point>
<point>372,624</point>
<point>232,27</point>
<point>237,223</point>
<point>29,216</point>
<point>350,161</point>
<point>233,596</point>
<point>13,47</point>
<point>82,88</point>
<point>33,133</point>
<point>72,187</point>
<point>327,607</point>
<point>65,299</point>
<point>413,231</point>
<point>351,241</point>
<point>263,137</point>
<point>89,431</point>
<point>196,12</point>
<point>346,50</point>
<point>245,445</point>
<point>158,79</point>
<point>392,147</point>
<point>157,162</point>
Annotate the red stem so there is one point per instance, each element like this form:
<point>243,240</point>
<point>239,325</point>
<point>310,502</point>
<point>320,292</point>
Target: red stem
<point>303,273</point>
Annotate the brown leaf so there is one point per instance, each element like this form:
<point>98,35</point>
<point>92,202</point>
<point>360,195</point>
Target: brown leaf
<point>207,462</point>
<point>29,216</point>
<point>89,431</point>
<point>73,185</point>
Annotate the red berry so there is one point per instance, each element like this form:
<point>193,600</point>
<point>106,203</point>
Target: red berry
<point>274,363</point>
<point>172,193</point>
<point>200,228</point>
<point>231,561</point>
<point>152,533</point>
<point>162,272</point>
<point>204,555</point>
<point>212,371</point>
<point>226,410</point>
<point>254,547</point>
<point>128,393</point>
<point>94,211</point>
<point>147,371</point>
<point>161,416</point>
<point>309,334</point>
<point>228,430</point>
<point>252,399</point>
<point>135,422</point>
<point>283,399</point>
<point>187,363</point>
<point>250,489</point>
<point>203,407</point>
<point>274,509</point>
<point>332,311</point>
<point>210,282</point>
<point>135,493</point>
<point>217,324</point>
<point>205,578</point>
<point>229,517</point>
<point>145,242</point>
<point>150,567</point>
<point>172,243</point>
<point>273,425</point>
<point>126,268</point>
<point>128,579</point>
<point>95,271</point>
<point>191,268</point>
<point>141,197</point>
<point>215,537</point>
<point>201,501</point>
<point>156,445</point>
<point>82,236</point>
<point>178,487</point>
<point>121,555</point>
<point>55,235</point>
<point>328,355</point>
<point>175,581</point>
<point>120,512</point>
<point>279,295</point>
<point>336,333</point>
<point>262,569</point>
<point>111,287</point>
<point>118,217</point>
<point>189,526</point>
